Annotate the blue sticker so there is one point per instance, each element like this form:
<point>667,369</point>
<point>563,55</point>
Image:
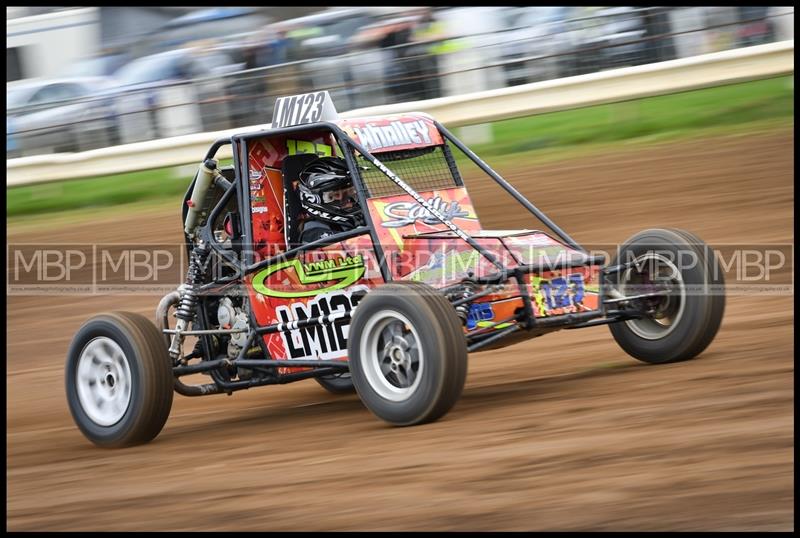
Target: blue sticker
<point>561,293</point>
<point>479,312</point>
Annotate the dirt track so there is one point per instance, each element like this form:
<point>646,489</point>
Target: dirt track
<point>559,433</point>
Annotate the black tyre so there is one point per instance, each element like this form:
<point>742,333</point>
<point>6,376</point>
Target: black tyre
<point>119,380</point>
<point>337,383</point>
<point>407,353</point>
<point>677,326</point>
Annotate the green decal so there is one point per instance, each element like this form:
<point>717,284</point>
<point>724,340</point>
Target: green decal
<point>295,147</point>
<point>538,296</point>
<point>483,324</point>
<point>344,271</point>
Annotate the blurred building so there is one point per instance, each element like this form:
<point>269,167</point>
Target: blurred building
<point>43,41</point>
<point>123,25</point>
<point>40,45</point>
<point>15,12</point>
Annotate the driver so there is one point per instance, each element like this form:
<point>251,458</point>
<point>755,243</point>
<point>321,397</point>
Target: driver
<point>329,197</point>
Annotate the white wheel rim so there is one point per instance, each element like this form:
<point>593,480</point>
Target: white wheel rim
<point>103,379</point>
<point>390,355</point>
<point>655,328</point>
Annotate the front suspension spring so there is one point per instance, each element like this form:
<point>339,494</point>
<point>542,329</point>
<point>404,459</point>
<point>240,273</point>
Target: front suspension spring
<point>467,289</point>
<point>187,308</point>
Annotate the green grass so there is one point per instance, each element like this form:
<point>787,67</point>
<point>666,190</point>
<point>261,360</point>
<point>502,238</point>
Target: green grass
<point>79,215</point>
<point>96,192</point>
<point>717,109</point>
<point>103,191</point>
<point>720,110</point>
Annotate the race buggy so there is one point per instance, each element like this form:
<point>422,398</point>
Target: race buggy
<point>389,309</point>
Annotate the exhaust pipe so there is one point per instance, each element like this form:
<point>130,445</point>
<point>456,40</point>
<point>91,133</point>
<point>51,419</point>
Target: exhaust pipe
<point>205,177</point>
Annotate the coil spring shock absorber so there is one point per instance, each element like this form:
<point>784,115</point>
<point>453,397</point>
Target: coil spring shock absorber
<point>186,310</point>
<point>467,288</point>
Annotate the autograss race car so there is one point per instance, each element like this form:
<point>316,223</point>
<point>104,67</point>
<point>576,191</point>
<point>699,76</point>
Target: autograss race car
<point>389,308</point>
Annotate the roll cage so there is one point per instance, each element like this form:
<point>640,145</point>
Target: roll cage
<point>237,188</point>
<point>246,265</point>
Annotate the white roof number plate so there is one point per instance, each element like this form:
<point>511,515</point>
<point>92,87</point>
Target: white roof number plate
<point>302,109</point>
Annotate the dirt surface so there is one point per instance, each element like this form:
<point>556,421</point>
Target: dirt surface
<point>559,433</point>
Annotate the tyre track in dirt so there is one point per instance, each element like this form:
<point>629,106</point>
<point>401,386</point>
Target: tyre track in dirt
<point>563,432</point>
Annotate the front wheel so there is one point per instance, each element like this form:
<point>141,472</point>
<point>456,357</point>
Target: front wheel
<point>681,296</point>
<point>119,380</point>
<point>407,353</point>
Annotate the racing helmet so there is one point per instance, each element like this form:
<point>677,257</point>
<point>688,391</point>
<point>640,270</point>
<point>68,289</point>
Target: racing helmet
<point>327,192</point>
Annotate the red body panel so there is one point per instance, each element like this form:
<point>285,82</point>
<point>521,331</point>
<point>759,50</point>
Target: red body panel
<point>393,133</point>
<point>265,158</point>
<point>415,245</point>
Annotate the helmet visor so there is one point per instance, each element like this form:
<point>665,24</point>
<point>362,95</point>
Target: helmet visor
<point>343,198</point>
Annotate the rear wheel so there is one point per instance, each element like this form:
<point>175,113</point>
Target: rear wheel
<point>407,353</point>
<point>119,380</point>
<point>681,322</point>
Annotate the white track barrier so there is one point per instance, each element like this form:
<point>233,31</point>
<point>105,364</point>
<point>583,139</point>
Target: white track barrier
<point>661,78</point>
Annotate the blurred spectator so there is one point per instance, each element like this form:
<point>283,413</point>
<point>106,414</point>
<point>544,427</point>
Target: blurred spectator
<point>428,28</point>
<point>249,87</point>
<point>398,70</point>
<point>722,34</point>
<point>756,28</point>
<point>431,38</point>
<point>657,26</point>
<point>273,48</point>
